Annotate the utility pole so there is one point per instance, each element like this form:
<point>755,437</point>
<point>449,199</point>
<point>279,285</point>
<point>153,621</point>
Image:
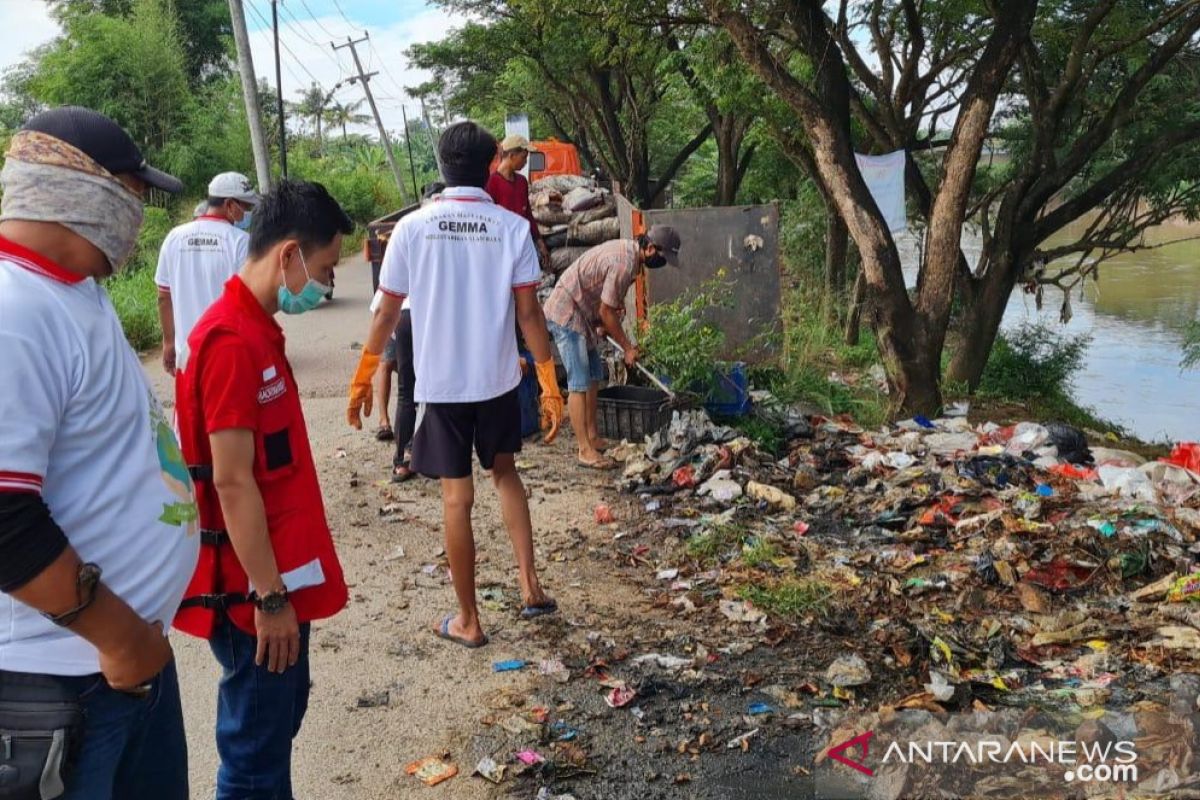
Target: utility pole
<point>258,141</point>
<point>412,168</point>
<point>429,132</point>
<point>279,90</point>
<point>387,145</point>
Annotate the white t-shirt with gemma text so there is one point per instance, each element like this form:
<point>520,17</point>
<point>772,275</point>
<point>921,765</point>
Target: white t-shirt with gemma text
<point>458,261</point>
<point>80,425</point>
<point>195,261</point>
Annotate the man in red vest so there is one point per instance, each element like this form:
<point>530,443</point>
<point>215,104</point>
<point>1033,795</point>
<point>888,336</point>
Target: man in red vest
<point>267,565</point>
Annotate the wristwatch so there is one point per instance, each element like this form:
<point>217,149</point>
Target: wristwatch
<point>85,586</point>
<point>271,602</point>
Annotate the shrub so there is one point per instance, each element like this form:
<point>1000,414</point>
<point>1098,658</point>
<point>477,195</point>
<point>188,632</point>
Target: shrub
<point>133,291</point>
<point>680,343</point>
<point>1032,361</point>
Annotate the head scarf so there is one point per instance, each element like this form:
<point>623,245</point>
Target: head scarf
<point>48,180</point>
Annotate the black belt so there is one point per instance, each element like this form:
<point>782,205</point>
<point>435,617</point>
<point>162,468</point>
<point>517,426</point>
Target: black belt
<point>214,538</point>
<point>214,602</point>
<point>201,472</point>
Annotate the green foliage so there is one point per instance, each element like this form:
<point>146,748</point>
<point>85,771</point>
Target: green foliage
<point>130,68</point>
<point>790,598</point>
<point>711,545</point>
<point>1032,361</point>
<point>133,291</point>
<point>680,343</point>
<point>759,553</point>
<point>1191,346</point>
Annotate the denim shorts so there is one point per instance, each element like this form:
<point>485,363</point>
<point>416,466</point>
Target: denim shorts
<point>582,363</point>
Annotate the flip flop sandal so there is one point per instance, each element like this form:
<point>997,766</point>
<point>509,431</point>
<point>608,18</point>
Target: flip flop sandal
<point>603,463</point>
<point>539,609</point>
<point>443,632</point>
<point>384,434</point>
<point>402,474</point>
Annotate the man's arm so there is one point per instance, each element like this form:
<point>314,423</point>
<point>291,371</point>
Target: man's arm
<point>246,522</point>
<point>166,318</point>
<point>362,386</point>
<point>42,571</point>
<point>533,323</point>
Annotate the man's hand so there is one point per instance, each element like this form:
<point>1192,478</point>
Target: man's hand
<point>632,354</point>
<point>278,639</point>
<point>523,364</point>
<point>168,358</point>
<point>552,399</point>
<point>543,255</point>
<point>137,659</point>
<point>361,389</point>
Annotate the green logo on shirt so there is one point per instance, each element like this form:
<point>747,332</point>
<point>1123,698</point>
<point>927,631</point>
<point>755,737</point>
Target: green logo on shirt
<point>175,474</point>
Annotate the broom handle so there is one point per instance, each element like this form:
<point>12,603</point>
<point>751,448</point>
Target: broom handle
<point>645,371</point>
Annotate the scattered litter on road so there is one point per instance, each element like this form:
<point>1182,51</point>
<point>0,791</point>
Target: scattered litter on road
<point>432,770</point>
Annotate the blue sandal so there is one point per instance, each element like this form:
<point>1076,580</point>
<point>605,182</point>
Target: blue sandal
<point>542,609</point>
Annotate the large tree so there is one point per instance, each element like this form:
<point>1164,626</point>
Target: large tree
<point>204,25</point>
<point>1089,95</point>
<point>599,82</point>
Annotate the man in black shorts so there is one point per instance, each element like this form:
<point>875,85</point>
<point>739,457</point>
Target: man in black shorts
<point>470,272</point>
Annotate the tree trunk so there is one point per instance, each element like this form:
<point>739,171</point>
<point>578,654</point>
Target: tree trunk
<point>837,241</point>
<point>729,145</point>
<point>854,316</point>
<point>986,313</point>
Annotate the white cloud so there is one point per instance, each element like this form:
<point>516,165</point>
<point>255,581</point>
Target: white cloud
<point>311,57</point>
<point>26,24</point>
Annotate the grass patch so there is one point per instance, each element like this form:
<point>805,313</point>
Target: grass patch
<point>759,553</point>
<point>790,598</point>
<point>135,298</point>
<point>715,542</point>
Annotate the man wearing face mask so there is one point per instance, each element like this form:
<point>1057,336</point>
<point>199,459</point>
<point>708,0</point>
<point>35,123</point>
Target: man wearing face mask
<point>267,563</point>
<point>98,521</point>
<point>198,257</point>
<point>590,295</point>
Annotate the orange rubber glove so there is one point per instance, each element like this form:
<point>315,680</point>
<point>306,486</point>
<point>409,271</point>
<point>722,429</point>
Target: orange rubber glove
<point>361,390</point>
<point>552,399</point>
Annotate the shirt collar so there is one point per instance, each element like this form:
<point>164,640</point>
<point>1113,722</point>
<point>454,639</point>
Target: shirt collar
<point>214,218</point>
<point>469,193</point>
<point>249,305</point>
<point>36,262</point>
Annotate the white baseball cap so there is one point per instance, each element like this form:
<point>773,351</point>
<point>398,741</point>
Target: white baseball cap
<point>233,185</point>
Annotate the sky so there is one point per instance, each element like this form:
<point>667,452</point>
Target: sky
<point>306,29</point>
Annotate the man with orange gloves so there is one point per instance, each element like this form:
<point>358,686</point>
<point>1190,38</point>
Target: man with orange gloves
<point>470,270</point>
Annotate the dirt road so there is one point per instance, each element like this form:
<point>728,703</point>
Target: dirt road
<point>386,692</point>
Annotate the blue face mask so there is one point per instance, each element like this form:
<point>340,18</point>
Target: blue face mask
<point>244,222</point>
<point>309,298</point>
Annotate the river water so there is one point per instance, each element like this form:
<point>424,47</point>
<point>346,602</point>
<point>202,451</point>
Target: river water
<point>1135,314</point>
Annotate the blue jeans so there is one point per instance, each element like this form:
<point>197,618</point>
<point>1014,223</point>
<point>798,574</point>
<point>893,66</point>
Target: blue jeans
<point>133,748</point>
<point>581,362</point>
<point>258,715</point>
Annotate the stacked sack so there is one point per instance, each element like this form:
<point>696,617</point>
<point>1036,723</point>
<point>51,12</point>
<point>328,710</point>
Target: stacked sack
<point>573,215</point>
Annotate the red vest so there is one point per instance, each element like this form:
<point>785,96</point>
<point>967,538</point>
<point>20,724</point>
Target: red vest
<point>283,469</point>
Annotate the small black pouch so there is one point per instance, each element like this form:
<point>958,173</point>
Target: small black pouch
<point>41,730</point>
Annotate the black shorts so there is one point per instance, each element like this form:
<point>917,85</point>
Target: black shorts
<point>446,432</point>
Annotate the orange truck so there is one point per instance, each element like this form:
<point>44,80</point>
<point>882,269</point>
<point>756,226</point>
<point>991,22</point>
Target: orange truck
<point>550,157</point>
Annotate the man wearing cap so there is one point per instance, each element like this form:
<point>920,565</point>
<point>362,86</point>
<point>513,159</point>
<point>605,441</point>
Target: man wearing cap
<point>510,189</point>
<point>198,257</point>
<point>591,294</point>
<point>98,520</point>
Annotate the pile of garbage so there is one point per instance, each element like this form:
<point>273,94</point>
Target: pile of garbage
<point>573,214</point>
<point>967,566</point>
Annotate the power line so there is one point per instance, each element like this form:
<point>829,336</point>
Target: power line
<point>299,62</point>
<point>310,40</point>
<point>387,72</point>
<point>338,6</point>
<point>314,19</point>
